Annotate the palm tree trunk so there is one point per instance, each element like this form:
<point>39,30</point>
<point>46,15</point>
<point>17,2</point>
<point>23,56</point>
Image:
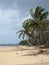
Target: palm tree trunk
<point>29,42</point>
<point>40,37</point>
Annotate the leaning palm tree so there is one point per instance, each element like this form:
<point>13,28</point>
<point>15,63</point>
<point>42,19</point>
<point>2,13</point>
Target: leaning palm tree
<point>39,17</point>
<point>38,23</point>
<point>25,31</point>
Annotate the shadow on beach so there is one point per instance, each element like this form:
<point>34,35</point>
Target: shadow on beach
<point>28,51</point>
<point>42,63</point>
<point>45,52</point>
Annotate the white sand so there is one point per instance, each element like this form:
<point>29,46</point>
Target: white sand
<point>22,55</point>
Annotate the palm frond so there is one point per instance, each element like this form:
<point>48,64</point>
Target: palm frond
<point>23,35</point>
<point>38,11</point>
<point>32,13</point>
<point>42,10</point>
<point>20,34</point>
<point>19,31</point>
<point>26,24</point>
<point>44,15</point>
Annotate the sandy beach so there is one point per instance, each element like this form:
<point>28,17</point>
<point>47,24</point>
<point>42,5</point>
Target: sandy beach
<point>23,55</point>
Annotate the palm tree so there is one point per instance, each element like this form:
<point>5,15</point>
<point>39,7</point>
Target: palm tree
<point>39,16</point>
<point>38,23</point>
<point>26,30</point>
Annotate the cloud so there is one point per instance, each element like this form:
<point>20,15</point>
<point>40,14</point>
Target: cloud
<point>23,5</point>
<point>9,24</point>
<point>8,18</point>
<point>12,15</point>
<point>8,4</point>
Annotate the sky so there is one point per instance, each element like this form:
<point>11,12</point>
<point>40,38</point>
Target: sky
<point>12,15</point>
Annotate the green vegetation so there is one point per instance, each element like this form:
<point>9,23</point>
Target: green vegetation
<point>36,28</point>
<point>24,42</point>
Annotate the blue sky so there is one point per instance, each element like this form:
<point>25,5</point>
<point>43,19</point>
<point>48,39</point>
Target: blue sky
<point>12,14</point>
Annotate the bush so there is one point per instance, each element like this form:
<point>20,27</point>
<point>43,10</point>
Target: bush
<point>23,42</point>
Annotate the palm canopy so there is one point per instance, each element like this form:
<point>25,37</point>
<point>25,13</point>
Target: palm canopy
<point>27,23</point>
<point>26,29</point>
<point>39,16</point>
<point>39,13</point>
<point>22,33</point>
<point>38,22</point>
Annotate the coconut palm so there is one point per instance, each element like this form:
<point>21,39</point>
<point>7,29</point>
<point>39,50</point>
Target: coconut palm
<point>26,30</point>
<point>38,22</point>
<point>39,16</point>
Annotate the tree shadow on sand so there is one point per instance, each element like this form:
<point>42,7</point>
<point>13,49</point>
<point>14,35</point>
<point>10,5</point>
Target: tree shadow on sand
<point>45,52</point>
<point>42,63</point>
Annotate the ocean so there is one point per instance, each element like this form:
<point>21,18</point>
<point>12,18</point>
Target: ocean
<point>7,45</point>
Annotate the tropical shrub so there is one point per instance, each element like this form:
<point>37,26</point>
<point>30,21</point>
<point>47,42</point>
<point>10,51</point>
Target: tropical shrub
<point>24,42</point>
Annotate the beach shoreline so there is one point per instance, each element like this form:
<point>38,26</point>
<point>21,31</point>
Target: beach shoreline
<point>22,55</point>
